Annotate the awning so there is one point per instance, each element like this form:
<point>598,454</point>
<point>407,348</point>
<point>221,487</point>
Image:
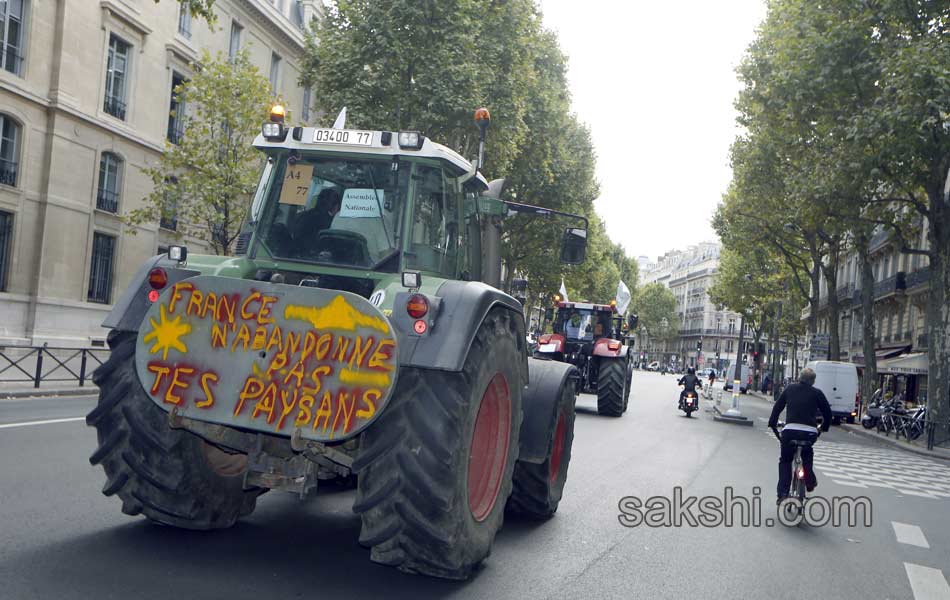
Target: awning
<point>906,364</point>
<point>881,354</point>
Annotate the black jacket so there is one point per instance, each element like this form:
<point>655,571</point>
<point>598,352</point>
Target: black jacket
<point>690,381</point>
<point>801,403</point>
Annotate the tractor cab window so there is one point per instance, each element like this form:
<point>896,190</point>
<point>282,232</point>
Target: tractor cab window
<point>434,231</point>
<point>332,210</point>
<point>583,325</point>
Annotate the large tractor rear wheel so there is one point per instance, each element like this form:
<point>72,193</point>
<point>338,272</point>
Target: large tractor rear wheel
<point>611,386</point>
<point>626,393</point>
<point>435,468</point>
<point>538,488</point>
<point>169,475</point>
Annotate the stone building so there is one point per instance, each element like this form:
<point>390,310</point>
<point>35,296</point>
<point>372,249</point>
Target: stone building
<point>689,274</point>
<point>901,282</point>
<point>85,104</point>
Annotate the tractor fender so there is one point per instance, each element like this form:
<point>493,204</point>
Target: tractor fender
<point>601,348</point>
<point>129,311</point>
<point>539,404</point>
<point>456,312</point>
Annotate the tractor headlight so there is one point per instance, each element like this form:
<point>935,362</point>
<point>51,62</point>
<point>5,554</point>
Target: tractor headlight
<point>410,140</point>
<point>274,132</point>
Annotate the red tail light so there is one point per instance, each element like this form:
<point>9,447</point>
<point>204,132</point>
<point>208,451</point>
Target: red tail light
<point>417,306</point>
<point>544,339</point>
<point>157,278</point>
<point>801,473</point>
<point>614,345</point>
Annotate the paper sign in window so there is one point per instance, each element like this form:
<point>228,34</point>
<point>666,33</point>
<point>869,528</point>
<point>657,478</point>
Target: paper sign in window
<point>362,202</point>
<point>296,184</point>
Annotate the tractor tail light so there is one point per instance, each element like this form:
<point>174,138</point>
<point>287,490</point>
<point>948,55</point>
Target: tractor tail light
<point>613,345</point>
<point>417,306</point>
<point>545,339</point>
<point>157,278</point>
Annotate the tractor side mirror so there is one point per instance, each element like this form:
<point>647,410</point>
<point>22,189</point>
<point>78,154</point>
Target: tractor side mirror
<point>632,321</point>
<point>548,314</point>
<point>574,246</point>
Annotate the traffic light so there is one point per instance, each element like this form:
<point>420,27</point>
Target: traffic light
<point>699,346</point>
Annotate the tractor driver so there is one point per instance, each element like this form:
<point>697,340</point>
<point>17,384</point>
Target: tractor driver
<point>311,222</point>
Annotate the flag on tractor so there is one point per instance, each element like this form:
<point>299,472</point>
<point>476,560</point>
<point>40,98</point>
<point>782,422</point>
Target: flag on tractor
<point>563,290</point>
<point>623,297</point>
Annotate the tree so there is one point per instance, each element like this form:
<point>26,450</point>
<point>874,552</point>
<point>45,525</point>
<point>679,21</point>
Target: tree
<point>206,180</point>
<point>655,306</point>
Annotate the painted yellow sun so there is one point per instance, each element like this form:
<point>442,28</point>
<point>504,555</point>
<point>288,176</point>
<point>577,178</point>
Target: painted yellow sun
<point>167,334</point>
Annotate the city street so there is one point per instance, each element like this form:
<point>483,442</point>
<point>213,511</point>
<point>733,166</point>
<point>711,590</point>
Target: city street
<point>61,538</point>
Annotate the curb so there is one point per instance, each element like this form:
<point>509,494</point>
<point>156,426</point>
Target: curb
<point>859,430</point>
<point>48,393</point>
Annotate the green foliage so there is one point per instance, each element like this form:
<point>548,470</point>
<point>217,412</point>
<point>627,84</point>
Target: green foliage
<point>655,305</point>
<point>426,65</point>
<point>206,180</point>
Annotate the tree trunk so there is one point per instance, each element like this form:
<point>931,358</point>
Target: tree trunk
<point>869,381</point>
<point>815,277</point>
<point>831,280</point>
<point>938,306</point>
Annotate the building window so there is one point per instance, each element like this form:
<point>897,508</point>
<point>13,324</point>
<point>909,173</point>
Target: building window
<point>176,111</point>
<point>110,172</point>
<point>9,147</point>
<point>306,104</point>
<point>169,217</point>
<point>117,74</point>
<point>6,242</point>
<point>274,71</point>
<point>11,35</point>
<point>100,272</point>
<point>184,22</point>
<point>234,45</point>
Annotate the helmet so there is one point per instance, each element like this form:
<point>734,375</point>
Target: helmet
<point>691,371</point>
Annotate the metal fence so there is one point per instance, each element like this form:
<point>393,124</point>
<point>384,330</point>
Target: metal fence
<point>39,364</point>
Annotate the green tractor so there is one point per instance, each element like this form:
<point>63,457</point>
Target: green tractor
<point>358,332</point>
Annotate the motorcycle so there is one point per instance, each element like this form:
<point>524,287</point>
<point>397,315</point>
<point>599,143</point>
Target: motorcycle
<point>878,410</point>
<point>688,402</point>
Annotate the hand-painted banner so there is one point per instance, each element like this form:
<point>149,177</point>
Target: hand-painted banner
<point>268,357</point>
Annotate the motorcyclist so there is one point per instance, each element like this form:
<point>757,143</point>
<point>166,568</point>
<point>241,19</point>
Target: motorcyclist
<point>801,401</point>
<point>689,383</point>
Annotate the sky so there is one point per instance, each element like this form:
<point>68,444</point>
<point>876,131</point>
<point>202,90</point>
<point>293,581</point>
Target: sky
<point>655,82</point>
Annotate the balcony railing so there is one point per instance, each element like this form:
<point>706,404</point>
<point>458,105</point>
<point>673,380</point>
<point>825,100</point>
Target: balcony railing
<point>8,172</point>
<point>892,285</point>
<point>169,223</point>
<point>845,292</point>
<point>107,200</point>
<point>918,278</point>
<point>115,107</point>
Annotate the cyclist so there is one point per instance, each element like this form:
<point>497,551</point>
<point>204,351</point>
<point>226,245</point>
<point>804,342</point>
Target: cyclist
<point>712,377</point>
<point>801,402</point>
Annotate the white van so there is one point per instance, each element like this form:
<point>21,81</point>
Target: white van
<point>730,375</point>
<point>838,381</point>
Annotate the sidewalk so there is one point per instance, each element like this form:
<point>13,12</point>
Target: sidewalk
<point>858,429</point>
<point>9,390</point>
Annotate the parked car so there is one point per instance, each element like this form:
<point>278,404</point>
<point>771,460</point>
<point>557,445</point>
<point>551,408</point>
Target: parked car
<point>653,366</point>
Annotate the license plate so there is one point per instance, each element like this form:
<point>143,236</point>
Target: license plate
<point>547,348</point>
<point>348,137</point>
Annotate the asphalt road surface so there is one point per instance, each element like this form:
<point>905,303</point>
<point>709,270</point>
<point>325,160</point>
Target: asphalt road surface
<point>61,538</point>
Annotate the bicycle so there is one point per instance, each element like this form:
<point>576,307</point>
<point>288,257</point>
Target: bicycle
<point>794,504</point>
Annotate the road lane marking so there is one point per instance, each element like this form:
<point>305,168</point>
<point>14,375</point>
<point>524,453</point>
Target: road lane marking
<point>927,583</point>
<point>46,422</point>
<point>910,534</point>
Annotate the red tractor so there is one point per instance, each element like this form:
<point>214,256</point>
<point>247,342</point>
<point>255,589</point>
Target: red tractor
<point>589,336</point>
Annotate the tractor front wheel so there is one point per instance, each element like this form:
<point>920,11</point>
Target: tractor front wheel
<point>611,386</point>
<point>538,488</point>
<point>169,475</point>
<point>434,471</point>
